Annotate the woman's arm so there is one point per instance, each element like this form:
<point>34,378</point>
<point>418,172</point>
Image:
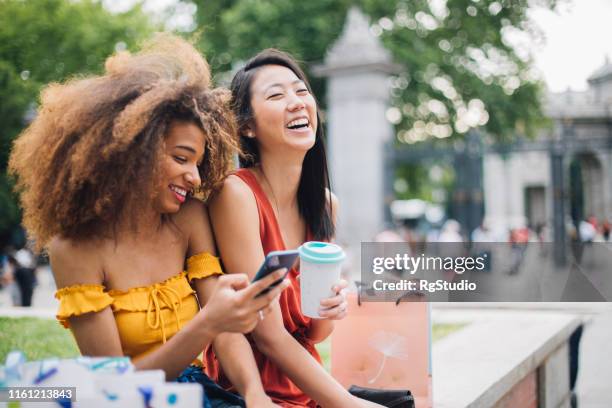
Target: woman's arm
<point>236,357</point>
<point>96,333</point>
<point>232,349</point>
<point>78,264</point>
<point>235,223</point>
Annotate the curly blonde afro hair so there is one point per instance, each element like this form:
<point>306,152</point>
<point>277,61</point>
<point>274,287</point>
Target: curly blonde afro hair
<point>92,154</point>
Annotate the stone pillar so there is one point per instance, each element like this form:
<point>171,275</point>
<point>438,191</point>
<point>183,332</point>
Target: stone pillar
<point>607,161</point>
<point>497,202</point>
<point>357,68</point>
<point>559,196</point>
<point>605,195</point>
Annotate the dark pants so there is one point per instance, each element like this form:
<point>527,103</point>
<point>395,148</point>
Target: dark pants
<point>26,280</point>
<point>574,353</point>
<point>214,395</point>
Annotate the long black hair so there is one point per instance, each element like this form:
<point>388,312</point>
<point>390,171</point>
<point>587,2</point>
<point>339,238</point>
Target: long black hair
<point>314,201</point>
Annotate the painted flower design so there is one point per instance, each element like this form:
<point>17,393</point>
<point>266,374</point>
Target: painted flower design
<point>391,345</point>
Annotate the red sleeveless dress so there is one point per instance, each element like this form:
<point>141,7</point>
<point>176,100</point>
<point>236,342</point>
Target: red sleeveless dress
<point>276,384</point>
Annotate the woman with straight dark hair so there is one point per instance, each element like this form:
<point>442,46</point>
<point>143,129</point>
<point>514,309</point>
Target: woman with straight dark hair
<point>279,199</point>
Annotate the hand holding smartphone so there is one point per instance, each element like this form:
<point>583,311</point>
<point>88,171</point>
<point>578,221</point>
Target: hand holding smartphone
<point>274,261</point>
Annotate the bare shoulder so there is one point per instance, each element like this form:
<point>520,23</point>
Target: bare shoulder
<point>234,193</point>
<point>233,213</point>
<point>193,210</point>
<point>193,220</point>
<point>334,199</point>
<point>334,202</point>
<point>76,261</point>
<point>234,187</point>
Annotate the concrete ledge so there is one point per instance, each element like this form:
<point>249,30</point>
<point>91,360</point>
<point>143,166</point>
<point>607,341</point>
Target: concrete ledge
<point>479,365</point>
<point>582,308</point>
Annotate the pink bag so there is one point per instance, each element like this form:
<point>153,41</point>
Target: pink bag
<point>384,345</point>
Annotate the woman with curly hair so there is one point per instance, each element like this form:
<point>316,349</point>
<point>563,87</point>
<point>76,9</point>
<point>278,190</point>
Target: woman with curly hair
<point>106,174</point>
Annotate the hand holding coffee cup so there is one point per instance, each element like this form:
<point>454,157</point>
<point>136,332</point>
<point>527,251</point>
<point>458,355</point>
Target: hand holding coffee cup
<point>335,307</point>
<point>321,286</point>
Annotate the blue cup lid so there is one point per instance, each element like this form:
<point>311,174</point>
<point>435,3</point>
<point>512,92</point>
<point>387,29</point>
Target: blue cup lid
<point>321,252</point>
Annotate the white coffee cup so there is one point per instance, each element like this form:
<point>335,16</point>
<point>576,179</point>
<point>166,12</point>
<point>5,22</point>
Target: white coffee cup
<point>319,271</point>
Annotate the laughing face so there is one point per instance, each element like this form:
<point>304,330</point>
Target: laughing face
<point>183,152</point>
<point>285,111</point>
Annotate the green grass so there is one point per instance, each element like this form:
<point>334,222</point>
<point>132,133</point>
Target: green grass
<point>37,338</point>
<point>43,338</point>
<point>438,331</point>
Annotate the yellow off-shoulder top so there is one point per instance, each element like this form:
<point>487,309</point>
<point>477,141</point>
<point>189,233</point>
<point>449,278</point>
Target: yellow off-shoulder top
<point>146,316</point>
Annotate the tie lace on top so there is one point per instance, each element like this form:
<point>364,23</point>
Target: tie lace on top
<point>171,299</point>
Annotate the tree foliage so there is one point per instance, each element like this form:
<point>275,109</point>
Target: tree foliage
<point>43,41</point>
<point>460,69</point>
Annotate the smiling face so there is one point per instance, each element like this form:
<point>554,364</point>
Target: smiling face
<point>183,152</point>
<point>285,111</point>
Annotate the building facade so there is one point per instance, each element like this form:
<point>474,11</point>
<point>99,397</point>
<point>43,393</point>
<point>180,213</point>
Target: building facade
<point>518,185</point>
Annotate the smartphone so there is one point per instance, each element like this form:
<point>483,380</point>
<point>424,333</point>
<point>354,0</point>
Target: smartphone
<point>274,261</point>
